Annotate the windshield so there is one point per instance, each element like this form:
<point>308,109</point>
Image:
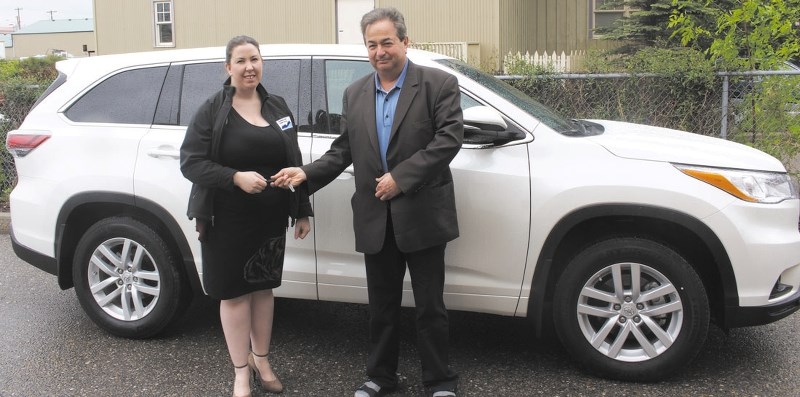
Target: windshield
<point>513,95</point>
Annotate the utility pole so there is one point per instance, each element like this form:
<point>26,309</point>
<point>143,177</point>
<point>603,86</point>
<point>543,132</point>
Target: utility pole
<point>19,23</point>
<point>51,14</point>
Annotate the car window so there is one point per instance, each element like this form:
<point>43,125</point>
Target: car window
<point>282,77</point>
<point>339,75</point>
<point>467,101</point>
<point>513,95</point>
<point>128,97</point>
<point>167,111</point>
<point>61,79</point>
<point>200,81</point>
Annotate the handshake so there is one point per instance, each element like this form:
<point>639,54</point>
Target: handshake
<point>386,188</point>
<point>288,178</point>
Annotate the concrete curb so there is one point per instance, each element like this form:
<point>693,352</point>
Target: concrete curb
<point>5,220</point>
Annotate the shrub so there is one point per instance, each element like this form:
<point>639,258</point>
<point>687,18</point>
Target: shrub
<point>21,83</point>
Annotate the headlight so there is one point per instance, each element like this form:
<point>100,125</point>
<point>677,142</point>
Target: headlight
<point>752,186</point>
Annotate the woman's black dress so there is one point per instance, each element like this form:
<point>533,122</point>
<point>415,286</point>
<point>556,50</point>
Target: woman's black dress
<point>244,221</point>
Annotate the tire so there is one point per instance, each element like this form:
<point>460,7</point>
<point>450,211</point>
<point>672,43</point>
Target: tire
<point>135,300</point>
<point>619,331</point>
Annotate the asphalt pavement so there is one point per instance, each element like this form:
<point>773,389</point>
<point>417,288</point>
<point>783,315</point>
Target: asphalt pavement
<point>49,347</point>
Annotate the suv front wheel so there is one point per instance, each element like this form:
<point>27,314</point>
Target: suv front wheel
<point>631,309</point>
<point>127,278</point>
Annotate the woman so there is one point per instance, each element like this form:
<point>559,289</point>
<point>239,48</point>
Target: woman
<point>236,137</point>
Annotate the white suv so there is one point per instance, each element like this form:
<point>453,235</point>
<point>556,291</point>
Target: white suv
<point>625,239</point>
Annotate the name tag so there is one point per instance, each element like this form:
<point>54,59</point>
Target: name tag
<point>285,123</point>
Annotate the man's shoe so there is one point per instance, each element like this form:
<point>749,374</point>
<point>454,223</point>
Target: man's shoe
<point>441,391</point>
<point>372,389</point>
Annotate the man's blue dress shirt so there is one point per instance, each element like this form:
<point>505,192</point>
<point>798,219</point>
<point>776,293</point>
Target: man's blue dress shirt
<point>385,105</point>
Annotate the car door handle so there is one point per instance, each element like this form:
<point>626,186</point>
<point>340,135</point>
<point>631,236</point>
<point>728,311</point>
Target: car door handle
<point>346,174</point>
<point>164,151</point>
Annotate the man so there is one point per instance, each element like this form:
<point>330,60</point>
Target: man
<point>401,127</point>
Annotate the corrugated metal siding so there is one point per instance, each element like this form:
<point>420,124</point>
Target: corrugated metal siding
<point>547,25</point>
<point>498,26</point>
<point>126,25</point>
<point>517,28</point>
<point>551,25</point>
<point>123,26</point>
<point>213,22</point>
<point>452,20</point>
<point>27,45</point>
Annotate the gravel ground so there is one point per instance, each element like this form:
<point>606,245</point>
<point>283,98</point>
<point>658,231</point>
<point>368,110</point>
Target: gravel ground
<point>50,348</point>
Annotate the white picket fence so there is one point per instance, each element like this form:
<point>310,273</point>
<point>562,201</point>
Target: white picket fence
<point>466,51</point>
<point>560,63</point>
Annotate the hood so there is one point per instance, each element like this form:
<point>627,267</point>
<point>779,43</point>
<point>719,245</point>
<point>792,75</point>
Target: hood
<point>644,142</point>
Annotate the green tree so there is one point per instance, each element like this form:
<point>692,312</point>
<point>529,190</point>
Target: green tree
<point>648,24</point>
<point>21,83</point>
<point>754,34</point>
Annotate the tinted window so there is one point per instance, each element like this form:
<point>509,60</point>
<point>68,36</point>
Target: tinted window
<point>513,95</point>
<point>61,79</point>
<point>338,74</point>
<point>282,77</point>
<point>200,81</point>
<point>467,102</point>
<point>126,98</point>
<point>169,101</point>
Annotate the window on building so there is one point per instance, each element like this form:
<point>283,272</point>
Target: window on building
<point>163,23</point>
<point>605,12</point>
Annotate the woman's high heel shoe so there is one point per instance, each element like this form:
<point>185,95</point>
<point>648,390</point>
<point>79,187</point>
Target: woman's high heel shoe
<point>249,394</point>
<point>272,386</point>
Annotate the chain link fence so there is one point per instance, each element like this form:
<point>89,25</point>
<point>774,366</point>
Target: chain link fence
<point>16,100</point>
<point>21,84</point>
<point>759,109</point>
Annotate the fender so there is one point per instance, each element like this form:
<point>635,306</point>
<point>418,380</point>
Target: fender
<point>540,297</point>
<point>114,204</point>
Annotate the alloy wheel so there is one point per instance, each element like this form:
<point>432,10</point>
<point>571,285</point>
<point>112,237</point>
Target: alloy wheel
<point>124,279</point>
<point>630,312</point>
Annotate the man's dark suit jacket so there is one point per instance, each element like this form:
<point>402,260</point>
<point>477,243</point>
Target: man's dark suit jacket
<point>426,135</point>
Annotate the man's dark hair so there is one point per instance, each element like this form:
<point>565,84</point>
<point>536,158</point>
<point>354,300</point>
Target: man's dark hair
<point>237,41</point>
<point>380,14</point>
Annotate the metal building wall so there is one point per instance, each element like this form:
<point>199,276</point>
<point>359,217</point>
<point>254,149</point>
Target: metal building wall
<point>453,21</point>
<point>518,26</point>
<point>547,25</point>
<point>127,25</point>
<point>498,26</point>
<point>213,22</point>
<point>123,26</point>
<point>28,45</point>
<point>501,26</point>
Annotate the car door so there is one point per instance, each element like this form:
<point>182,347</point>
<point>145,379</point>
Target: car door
<point>484,265</point>
<point>158,176</point>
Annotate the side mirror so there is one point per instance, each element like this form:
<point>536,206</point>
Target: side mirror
<point>484,125</point>
<point>484,118</point>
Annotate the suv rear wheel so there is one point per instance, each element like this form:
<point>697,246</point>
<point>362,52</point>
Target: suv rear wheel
<point>127,278</point>
<point>631,309</point>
